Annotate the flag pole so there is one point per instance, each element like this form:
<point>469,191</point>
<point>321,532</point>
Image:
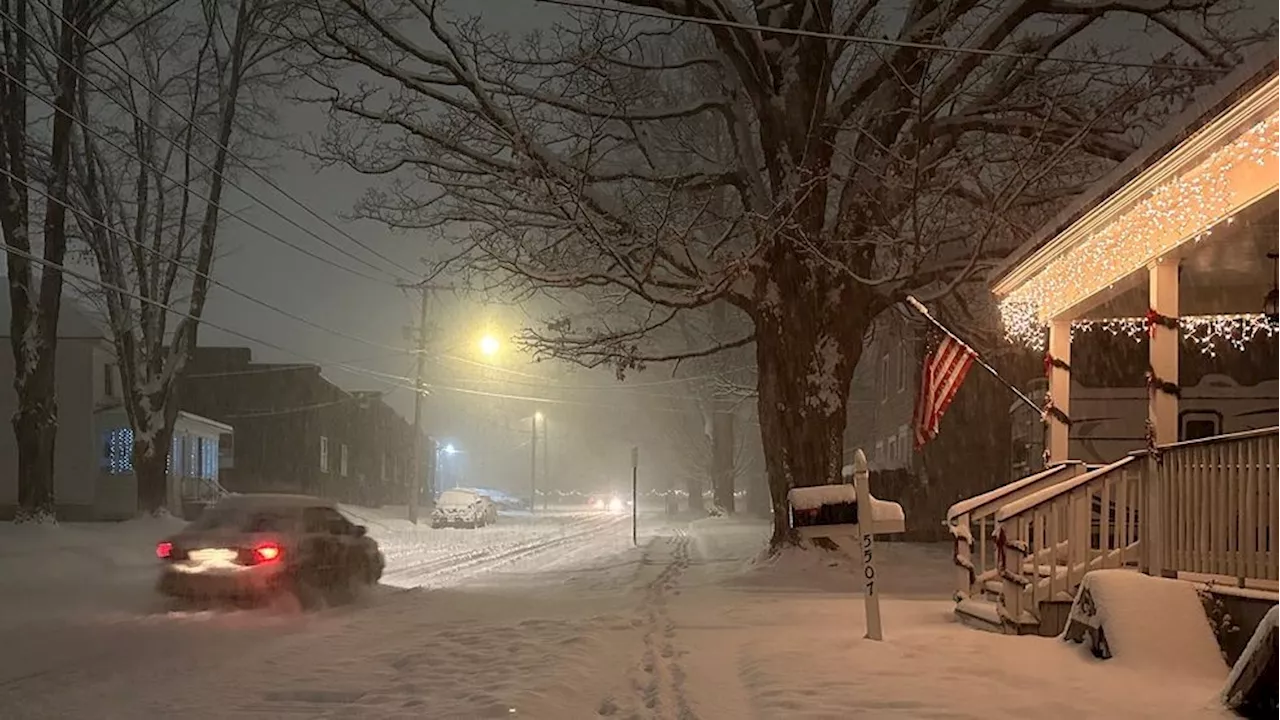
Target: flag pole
<point>920,308</point>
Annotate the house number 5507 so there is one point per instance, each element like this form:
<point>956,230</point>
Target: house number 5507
<point>868,570</point>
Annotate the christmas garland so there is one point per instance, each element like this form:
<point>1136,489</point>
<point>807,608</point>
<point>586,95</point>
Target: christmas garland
<point>1154,318</point>
<point>1155,384</point>
<point>1051,362</point>
<point>1051,411</point>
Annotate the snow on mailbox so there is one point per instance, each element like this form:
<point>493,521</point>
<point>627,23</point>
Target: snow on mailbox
<point>831,511</point>
<point>851,518</point>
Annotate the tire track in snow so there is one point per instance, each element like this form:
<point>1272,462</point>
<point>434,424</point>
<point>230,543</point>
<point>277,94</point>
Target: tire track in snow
<point>468,563</point>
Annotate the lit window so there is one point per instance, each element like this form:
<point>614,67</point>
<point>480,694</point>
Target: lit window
<point>324,454</point>
<point>884,376</point>
<point>342,460</point>
<point>902,367</point>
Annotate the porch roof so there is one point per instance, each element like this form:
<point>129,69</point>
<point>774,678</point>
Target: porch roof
<point>1211,162</point>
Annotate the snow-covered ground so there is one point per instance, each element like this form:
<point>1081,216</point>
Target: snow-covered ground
<point>555,616</point>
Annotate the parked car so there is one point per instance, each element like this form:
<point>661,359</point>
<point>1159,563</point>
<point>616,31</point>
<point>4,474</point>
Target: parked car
<point>463,508</point>
<point>259,547</point>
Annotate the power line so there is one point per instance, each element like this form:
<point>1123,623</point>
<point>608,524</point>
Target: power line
<point>886,42</point>
<point>239,293</point>
<point>200,128</point>
<point>396,381</point>
<point>48,264</point>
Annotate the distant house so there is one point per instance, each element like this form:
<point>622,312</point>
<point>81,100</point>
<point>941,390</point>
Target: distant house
<point>93,465</point>
<point>295,431</point>
<point>970,453</point>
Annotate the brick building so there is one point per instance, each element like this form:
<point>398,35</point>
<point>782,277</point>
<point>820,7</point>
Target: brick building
<point>295,431</point>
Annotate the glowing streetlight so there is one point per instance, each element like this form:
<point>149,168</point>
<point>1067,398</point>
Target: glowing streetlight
<point>450,449</point>
<point>489,346</point>
<point>538,416</point>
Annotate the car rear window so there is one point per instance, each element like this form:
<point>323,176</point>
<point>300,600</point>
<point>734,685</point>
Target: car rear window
<point>244,520</point>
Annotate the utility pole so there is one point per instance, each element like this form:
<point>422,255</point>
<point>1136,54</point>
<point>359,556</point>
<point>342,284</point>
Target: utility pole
<point>533,464</point>
<point>546,463</point>
<point>415,482</point>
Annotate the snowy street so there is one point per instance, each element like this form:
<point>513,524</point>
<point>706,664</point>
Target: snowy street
<point>551,616</point>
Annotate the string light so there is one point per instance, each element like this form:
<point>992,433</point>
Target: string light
<point>119,451</point>
<point>1200,199</point>
<point>1205,332</point>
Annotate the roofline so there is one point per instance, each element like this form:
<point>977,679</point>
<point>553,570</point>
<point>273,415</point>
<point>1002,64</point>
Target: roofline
<point>1248,79</point>
<point>206,421</point>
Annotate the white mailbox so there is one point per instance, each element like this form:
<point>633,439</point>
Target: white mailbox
<point>831,511</point>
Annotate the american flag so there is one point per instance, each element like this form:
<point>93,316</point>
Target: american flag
<point>944,370</point>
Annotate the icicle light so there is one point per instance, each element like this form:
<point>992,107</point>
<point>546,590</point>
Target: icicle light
<point>1207,333</point>
<point>1201,199</point>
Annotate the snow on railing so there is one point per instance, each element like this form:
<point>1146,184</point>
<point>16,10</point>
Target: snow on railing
<point>974,556</point>
<point>1047,540</point>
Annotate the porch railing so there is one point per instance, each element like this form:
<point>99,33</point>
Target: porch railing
<point>1215,500</point>
<point>1049,540</point>
<point>1205,509</point>
<point>972,524</point>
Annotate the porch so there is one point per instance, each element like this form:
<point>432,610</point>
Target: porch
<point>1178,249</point>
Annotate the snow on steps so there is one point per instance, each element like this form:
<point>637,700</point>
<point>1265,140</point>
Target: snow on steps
<point>1146,622</point>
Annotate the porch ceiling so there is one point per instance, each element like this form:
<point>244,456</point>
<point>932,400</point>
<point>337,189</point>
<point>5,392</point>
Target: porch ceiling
<point>1227,272</point>
<point>1180,206</point>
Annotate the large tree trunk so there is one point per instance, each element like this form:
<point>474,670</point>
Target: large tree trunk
<point>35,427</point>
<point>152,443</point>
<point>807,347</point>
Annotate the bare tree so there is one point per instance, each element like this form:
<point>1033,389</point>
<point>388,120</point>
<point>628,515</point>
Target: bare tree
<point>173,98</point>
<point>41,55</point>
<point>808,180</point>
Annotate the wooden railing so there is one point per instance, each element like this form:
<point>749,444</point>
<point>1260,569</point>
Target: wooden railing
<point>1048,540</point>
<point>1215,506</point>
<point>972,524</point>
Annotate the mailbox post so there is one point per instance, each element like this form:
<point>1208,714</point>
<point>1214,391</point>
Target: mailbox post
<point>848,515</point>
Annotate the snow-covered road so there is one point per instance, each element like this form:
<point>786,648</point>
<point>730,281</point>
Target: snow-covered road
<point>556,616</point>
<point>84,635</point>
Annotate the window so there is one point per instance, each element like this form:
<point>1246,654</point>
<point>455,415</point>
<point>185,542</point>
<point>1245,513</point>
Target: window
<point>902,366</point>
<point>342,460</point>
<point>117,451</point>
<point>208,448</point>
<point>879,456</point>
<point>324,454</point>
<point>904,443</point>
<point>109,380</point>
<point>884,376</point>
<point>226,450</point>
<point>893,450</point>
<point>1200,424</point>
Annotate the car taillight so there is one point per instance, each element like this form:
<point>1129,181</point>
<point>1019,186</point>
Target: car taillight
<point>164,550</point>
<point>266,552</point>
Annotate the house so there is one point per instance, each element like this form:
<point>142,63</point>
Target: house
<point>970,454</point>
<point>1174,249</point>
<point>295,431</point>
<point>93,464</point>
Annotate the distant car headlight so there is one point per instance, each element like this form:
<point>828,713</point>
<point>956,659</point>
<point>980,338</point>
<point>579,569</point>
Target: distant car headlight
<point>616,505</point>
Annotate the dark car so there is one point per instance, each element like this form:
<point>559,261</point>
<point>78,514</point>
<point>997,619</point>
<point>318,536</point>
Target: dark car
<point>259,547</point>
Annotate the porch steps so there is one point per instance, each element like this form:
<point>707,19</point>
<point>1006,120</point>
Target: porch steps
<point>1251,688</point>
<point>1153,622</point>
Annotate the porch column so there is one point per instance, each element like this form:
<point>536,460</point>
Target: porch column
<point>1058,362</point>
<point>1162,377</point>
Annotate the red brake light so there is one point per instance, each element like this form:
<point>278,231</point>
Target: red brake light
<point>266,552</point>
<point>164,550</point>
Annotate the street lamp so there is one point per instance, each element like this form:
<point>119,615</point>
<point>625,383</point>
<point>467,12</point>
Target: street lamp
<point>489,346</point>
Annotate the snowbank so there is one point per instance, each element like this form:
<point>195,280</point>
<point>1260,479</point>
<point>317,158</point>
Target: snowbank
<point>1150,623</point>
